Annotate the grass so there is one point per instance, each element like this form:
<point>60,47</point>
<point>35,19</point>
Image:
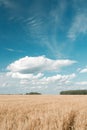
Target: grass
<point>23,112</point>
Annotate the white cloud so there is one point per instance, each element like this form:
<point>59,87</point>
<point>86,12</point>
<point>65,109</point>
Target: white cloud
<point>28,74</point>
<point>8,81</point>
<point>83,83</point>
<point>83,70</point>
<point>79,26</point>
<point>52,81</point>
<point>59,78</point>
<point>38,64</point>
<point>35,83</point>
<point>24,76</point>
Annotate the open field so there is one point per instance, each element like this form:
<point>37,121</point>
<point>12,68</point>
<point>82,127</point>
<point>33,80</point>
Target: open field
<point>43,112</point>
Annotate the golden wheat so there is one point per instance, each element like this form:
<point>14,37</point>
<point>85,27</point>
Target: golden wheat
<point>23,112</point>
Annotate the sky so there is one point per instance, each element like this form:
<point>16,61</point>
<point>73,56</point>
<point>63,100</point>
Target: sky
<point>43,46</point>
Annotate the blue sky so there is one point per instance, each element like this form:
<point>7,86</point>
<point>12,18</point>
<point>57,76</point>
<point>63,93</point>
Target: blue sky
<point>43,45</point>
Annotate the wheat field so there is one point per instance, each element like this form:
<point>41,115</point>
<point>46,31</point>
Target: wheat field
<point>43,112</point>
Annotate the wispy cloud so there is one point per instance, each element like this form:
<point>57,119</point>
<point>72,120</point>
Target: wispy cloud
<point>40,24</point>
<point>83,83</point>
<point>8,4</point>
<point>10,49</point>
<point>79,26</point>
<point>43,26</point>
<point>83,70</point>
<point>13,50</point>
<point>14,10</point>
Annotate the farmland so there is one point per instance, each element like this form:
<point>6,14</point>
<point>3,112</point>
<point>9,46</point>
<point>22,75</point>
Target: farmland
<point>43,112</point>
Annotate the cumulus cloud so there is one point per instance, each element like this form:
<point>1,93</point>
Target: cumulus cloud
<point>24,76</point>
<point>38,64</point>
<point>50,82</point>
<point>59,78</point>
<point>35,83</point>
<point>29,73</point>
<point>7,80</point>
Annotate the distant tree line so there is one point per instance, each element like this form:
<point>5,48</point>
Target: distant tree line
<point>33,93</point>
<point>74,92</point>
